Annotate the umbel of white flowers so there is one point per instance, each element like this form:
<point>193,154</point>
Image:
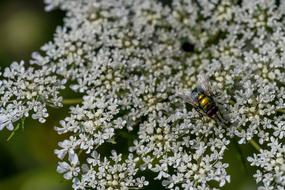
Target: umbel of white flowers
<point>129,59</point>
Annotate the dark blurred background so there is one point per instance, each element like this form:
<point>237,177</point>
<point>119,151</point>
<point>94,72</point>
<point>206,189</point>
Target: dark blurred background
<point>27,161</point>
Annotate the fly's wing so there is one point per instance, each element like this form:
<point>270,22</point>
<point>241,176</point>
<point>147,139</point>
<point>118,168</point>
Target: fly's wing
<point>205,85</point>
<point>188,98</point>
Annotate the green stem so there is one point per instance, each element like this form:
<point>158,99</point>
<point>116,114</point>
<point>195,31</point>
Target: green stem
<point>72,101</point>
<point>241,156</point>
<point>281,110</point>
<point>255,144</point>
<point>13,132</point>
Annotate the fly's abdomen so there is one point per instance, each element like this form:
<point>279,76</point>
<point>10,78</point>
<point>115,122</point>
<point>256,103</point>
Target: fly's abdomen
<point>212,111</point>
<point>207,105</point>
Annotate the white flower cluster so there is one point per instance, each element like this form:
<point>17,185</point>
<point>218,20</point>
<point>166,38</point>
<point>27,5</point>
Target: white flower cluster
<point>130,59</point>
<point>271,164</point>
<point>91,126</point>
<point>26,89</point>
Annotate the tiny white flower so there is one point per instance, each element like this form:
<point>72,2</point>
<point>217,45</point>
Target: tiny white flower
<point>5,122</point>
<point>69,170</point>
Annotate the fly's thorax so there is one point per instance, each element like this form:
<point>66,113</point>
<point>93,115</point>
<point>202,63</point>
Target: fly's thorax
<point>196,92</point>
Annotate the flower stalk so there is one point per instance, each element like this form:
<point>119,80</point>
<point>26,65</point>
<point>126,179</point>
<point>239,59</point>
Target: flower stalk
<point>72,101</point>
<point>255,145</point>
